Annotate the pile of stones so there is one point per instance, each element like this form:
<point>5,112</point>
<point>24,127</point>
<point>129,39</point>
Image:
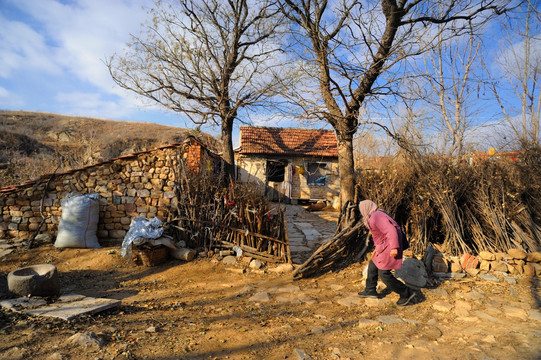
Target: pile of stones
<point>514,261</point>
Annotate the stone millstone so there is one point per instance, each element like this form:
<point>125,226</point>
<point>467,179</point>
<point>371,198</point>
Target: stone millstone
<point>34,280</point>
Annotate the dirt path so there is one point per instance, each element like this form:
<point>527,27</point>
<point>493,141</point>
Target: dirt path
<point>203,310</point>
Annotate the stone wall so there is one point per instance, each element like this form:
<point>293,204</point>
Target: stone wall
<point>140,184</point>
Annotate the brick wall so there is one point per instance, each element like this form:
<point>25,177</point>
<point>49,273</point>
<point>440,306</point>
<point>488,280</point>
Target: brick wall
<point>140,184</point>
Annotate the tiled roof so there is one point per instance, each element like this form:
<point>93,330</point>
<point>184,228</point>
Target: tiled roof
<point>287,141</point>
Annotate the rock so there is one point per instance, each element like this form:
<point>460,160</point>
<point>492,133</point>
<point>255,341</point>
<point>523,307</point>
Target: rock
<point>529,270</point>
<point>474,295</point>
<point>535,315</point>
<point>389,319</point>
<point>413,273</point>
<point>491,339</point>
<point>245,290</point>
<point>302,355</point>
<point>485,265</point>
<point>534,257</point>
<point>87,339</point>
<point>516,268</point>
<point>336,287</point>
<point>283,268</point>
<point>537,268</point>
<point>489,277</point>
<point>256,264</point>
<point>502,256</point>
<point>229,260</point>
<point>515,312</point>
<point>432,333</point>
<point>260,297</point>
<point>375,302</point>
<point>350,301</point>
<point>442,306</point>
<point>246,259</point>
<point>473,272</point>
<point>510,280</point>
<point>289,289</point>
<point>483,316</point>
<point>44,238</point>
<point>517,254</point>
<point>485,255</point>
<point>462,308</point>
<point>441,292</point>
<point>151,329</point>
<point>290,300</point>
<point>499,266</point>
<point>456,268</point>
<point>364,323</point>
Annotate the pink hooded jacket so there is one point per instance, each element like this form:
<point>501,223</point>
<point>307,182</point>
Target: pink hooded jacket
<point>386,236</point>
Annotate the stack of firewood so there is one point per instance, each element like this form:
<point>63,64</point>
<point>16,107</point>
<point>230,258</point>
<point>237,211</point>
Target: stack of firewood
<point>213,216</point>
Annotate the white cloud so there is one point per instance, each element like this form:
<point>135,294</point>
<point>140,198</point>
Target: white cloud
<point>80,35</point>
<point>21,47</point>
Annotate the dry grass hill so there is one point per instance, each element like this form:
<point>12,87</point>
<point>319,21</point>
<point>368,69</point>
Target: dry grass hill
<point>34,143</point>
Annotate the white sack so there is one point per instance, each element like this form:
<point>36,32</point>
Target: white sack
<point>79,222</point>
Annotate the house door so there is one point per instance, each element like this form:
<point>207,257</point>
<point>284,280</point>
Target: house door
<point>276,170</point>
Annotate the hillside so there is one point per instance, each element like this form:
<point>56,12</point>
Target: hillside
<point>33,143</point>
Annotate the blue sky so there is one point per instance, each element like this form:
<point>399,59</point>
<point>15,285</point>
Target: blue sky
<point>52,53</point>
<point>52,56</point>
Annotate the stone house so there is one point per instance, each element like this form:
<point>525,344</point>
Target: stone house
<point>289,164</point>
<point>139,184</point>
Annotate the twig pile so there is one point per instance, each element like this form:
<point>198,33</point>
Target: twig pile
<point>211,216</point>
<point>491,205</point>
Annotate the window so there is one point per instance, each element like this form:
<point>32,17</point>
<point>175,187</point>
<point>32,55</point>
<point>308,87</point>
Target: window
<point>316,173</point>
<point>276,170</point>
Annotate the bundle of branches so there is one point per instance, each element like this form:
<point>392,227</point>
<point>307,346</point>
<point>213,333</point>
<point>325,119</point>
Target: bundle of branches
<point>488,205</point>
<point>349,242</point>
<point>210,214</point>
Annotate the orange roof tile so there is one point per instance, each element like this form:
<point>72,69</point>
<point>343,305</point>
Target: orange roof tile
<point>287,141</point>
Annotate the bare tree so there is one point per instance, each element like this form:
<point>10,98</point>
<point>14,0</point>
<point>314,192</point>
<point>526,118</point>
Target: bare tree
<point>517,90</point>
<point>208,60</point>
<point>357,48</point>
<point>450,74</point>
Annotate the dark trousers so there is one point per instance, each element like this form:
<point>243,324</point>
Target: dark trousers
<point>388,279</point>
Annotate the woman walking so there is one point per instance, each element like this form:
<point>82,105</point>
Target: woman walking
<point>387,256</point>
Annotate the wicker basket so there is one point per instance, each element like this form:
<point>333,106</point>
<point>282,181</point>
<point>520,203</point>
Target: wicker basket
<point>154,256</point>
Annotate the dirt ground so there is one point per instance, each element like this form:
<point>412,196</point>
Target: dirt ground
<point>205,310</point>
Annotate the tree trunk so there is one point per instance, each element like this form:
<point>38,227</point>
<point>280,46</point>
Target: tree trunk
<point>227,149</point>
<point>346,167</point>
